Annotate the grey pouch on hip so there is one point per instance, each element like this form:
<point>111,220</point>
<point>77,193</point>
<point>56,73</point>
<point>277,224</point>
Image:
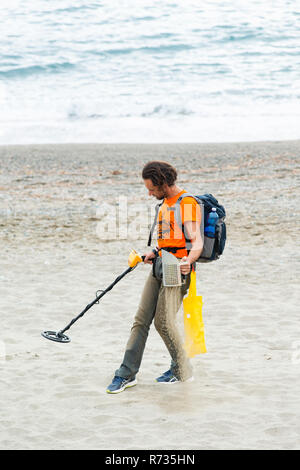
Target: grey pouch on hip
<point>157,268</point>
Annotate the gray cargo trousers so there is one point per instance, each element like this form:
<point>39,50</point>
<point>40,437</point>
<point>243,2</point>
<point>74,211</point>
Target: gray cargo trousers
<point>161,304</point>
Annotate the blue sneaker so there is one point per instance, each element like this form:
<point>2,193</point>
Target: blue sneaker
<point>165,376</point>
<point>119,384</point>
<point>169,378</point>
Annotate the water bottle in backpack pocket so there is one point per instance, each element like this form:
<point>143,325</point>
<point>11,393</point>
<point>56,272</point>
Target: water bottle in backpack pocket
<point>210,229</point>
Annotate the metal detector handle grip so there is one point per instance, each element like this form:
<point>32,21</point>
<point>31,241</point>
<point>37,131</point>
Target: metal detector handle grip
<point>183,276</point>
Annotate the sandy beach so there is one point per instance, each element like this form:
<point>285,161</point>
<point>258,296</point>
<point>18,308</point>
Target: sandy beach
<point>54,257</point>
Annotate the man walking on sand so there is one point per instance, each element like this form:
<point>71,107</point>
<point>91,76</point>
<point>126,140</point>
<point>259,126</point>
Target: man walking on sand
<point>157,301</point>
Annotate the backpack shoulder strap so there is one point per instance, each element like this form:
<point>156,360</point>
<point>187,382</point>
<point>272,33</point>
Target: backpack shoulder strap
<point>154,223</point>
<point>177,214</point>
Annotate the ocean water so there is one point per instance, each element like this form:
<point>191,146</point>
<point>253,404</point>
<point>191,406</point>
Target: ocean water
<point>149,71</point>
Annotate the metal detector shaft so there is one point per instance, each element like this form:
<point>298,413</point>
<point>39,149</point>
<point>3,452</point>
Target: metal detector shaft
<point>61,332</point>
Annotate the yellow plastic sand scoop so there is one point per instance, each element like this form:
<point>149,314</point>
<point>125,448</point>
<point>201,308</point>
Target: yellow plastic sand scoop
<point>193,322</point>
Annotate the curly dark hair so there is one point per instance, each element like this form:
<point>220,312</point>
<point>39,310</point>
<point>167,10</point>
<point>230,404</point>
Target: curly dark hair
<point>160,173</point>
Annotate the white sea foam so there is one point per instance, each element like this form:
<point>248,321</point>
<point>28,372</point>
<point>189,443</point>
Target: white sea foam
<point>140,71</point>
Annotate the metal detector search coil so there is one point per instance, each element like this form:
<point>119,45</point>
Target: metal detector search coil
<point>54,336</point>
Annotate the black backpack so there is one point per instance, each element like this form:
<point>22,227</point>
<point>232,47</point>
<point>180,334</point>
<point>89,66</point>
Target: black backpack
<point>212,247</point>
